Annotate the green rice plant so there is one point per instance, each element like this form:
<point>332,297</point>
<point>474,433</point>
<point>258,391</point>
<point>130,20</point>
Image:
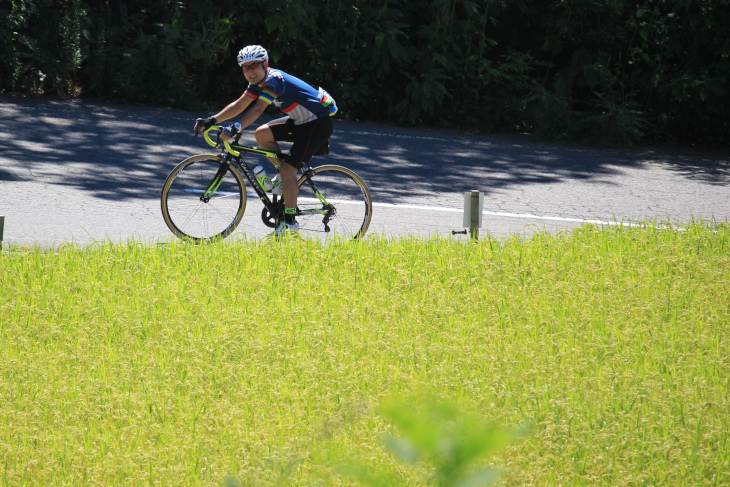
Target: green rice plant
<point>266,363</point>
<point>450,441</point>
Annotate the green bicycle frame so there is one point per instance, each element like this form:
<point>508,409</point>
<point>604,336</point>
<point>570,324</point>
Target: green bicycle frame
<point>231,149</point>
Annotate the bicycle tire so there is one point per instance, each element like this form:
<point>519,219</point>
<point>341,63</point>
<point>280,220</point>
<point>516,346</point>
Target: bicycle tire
<point>350,200</point>
<point>187,215</point>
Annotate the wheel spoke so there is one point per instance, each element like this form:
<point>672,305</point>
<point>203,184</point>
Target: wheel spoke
<point>187,215</point>
<point>348,201</point>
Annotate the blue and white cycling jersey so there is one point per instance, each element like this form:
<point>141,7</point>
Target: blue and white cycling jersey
<point>299,100</point>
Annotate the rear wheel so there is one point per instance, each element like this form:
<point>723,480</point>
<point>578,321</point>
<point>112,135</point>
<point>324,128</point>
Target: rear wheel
<point>342,206</point>
<point>194,213</point>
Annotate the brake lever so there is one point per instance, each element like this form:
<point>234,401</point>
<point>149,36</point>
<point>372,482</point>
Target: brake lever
<point>198,122</point>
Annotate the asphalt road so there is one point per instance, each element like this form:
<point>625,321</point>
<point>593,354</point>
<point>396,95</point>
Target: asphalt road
<point>84,172</point>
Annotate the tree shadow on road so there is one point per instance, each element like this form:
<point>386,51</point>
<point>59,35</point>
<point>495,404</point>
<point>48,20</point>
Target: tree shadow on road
<point>116,152</point>
<point>410,163</point>
<point>110,152</point>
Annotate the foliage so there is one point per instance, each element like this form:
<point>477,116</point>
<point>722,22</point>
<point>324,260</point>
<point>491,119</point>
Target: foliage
<point>41,56</point>
<point>157,52</point>
<point>653,69</point>
<point>604,71</point>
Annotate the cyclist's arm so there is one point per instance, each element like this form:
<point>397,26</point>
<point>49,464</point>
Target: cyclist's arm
<point>234,108</point>
<point>250,116</point>
<point>254,113</point>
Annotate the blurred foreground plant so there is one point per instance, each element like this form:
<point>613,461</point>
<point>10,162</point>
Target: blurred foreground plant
<point>451,445</point>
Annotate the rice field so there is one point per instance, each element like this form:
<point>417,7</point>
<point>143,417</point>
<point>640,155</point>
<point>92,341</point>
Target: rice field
<point>272,363</point>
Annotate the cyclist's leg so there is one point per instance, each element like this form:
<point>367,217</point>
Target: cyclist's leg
<point>307,138</point>
<point>310,137</point>
<point>268,137</point>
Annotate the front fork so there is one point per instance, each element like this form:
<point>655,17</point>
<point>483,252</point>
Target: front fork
<point>217,181</point>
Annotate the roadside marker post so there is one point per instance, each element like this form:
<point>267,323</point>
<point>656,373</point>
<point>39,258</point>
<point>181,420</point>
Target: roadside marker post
<point>2,227</point>
<point>473,204</point>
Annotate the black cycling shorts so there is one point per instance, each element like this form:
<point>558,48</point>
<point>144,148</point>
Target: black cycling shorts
<point>307,138</point>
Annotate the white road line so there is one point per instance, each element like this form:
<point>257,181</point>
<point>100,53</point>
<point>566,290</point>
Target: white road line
<point>394,136</point>
<point>500,214</point>
<point>527,216</point>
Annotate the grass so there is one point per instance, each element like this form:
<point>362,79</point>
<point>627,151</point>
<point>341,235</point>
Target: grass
<point>262,363</point>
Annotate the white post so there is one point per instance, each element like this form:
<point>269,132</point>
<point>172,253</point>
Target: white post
<point>475,216</point>
<point>473,213</point>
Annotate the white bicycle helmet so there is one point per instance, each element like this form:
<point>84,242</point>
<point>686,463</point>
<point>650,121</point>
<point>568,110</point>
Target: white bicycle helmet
<point>251,54</point>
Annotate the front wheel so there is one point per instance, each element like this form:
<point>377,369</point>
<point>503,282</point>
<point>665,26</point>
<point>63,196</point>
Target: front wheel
<point>203,199</point>
<point>335,202</point>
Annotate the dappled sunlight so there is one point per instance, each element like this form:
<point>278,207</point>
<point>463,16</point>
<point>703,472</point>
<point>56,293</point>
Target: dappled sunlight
<point>108,152</point>
<point>111,157</point>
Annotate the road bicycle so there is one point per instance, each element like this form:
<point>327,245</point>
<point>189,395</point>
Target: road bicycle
<point>204,197</point>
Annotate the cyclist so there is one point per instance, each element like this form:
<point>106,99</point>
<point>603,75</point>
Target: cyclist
<point>307,122</point>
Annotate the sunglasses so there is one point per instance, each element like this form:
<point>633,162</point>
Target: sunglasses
<point>249,67</point>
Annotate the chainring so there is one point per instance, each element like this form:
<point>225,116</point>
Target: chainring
<point>268,218</point>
